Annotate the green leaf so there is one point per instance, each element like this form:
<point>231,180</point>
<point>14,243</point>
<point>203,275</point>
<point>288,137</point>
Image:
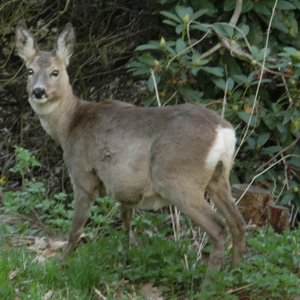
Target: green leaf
<point>147,59</point>
<point>287,198</point>
<point>280,26</point>
<point>180,28</point>
<point>288,115</point>
<point>220,83</point>
<point>199,27</point>
<point>224,30</point>
<point>180,45</point>
<point>230,84</point>
<point>246,117</point>
<point>151,83</point>
<point>190,94</point>
<point>294,162</point>
<point>182,11</point>
<point>285,5</point>
<point>263,138</point>
<point>217,71</point>
<point>262,9</point>
<point>170,16</point>
<point>229,5</point>
<point>247,6</point>
<point>169,22</point>
<point>297,3</point>
<point>271,150</point>
<point>251,143</point>
<point>198,14</point>
<point>148,47</point>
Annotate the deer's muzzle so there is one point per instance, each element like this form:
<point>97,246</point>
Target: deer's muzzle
<point>39,93</point>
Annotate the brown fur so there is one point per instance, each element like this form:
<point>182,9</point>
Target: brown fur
<point>144,157</point>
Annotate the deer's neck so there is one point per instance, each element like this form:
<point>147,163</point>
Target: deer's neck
<point>56,122</point>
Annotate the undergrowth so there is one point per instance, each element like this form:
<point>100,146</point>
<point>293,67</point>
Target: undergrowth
<point>107,269</point>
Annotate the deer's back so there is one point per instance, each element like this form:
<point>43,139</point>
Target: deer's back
<point>122,143</point>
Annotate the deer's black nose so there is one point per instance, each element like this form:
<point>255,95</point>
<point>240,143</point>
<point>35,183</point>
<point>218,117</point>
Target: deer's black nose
<point>39,93</point>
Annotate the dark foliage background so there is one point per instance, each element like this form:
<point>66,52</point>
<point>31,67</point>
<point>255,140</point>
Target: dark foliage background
<point>108,32</point>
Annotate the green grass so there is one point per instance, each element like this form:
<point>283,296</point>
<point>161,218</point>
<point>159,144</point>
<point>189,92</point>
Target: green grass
<point>107,269</point>
<point>270,269</point>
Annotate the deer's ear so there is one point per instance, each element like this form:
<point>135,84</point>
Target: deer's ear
<point>26,45</point>
<point>65,43</point>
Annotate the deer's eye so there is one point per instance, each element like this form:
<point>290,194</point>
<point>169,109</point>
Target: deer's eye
<point>55,73</point>
<point>30,72</point>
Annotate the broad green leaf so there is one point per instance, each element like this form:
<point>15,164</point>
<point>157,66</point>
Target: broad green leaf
<point>287,198</point>
<point>251,143</point>
<point>182,11</point>
<point>280,26</point>
<point>199,27</point>
<point>281,128</point>
<point>246,117</point>
<point>219,82</point>
<point>217,71</point>
<point>169,22</point>
<point>230,84</point>
<point>285,5</point>
<point>148,47</point>
<point>262,9</point>
<point>151,83</point>
<point>147,59</point>
<point>271,150</point>
<point>170,16</point>
<point>190,94</point>
<point>297,3</point>
<point>180,28</point>
<point>171,51</point>
<point>224,30</point>
<point>263,138</point>
<point>198,14</point>
<point>294,162</point>
<point>247,6</point>
<point>240,79</point>
<point>180,45</point>
<point>245,29</point>
<point>229,5</point>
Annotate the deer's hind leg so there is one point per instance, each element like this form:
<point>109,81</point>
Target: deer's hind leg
<point>190,200</point>
<point>220,193</point>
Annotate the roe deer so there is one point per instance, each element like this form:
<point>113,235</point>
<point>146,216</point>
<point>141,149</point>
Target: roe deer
<point>144,157</point>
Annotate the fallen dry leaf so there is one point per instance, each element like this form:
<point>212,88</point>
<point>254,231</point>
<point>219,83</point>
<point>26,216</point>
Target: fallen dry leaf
<point>48,295</point>
<point>55,245</point>
<point>151,292</point>
<point>13,273</point>
<point>39,244</point>
<point>43,255</point>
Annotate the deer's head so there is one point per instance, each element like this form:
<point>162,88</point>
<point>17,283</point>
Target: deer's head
<point>48,81</point>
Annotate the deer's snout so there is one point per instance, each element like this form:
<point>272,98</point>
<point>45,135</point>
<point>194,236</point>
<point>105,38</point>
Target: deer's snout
<point>39,93</point>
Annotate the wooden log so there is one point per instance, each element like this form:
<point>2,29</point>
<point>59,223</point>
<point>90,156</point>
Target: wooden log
<point>279,217</point>
<point>258,208</point>
<point>254,203</point>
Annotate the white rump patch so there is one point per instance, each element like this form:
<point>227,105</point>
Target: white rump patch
<point>222,148</point>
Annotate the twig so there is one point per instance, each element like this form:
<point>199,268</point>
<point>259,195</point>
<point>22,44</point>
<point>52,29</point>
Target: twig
<point>58,16</point>
<point>279,153</point>
<point>256,176</point>
<point>231,291</point>
<point>260,80</point>
<point>155,87</point>
<point>188,48</point>
<point>232,22</point>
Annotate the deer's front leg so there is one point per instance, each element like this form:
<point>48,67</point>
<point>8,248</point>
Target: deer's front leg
<point>83,202</point>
